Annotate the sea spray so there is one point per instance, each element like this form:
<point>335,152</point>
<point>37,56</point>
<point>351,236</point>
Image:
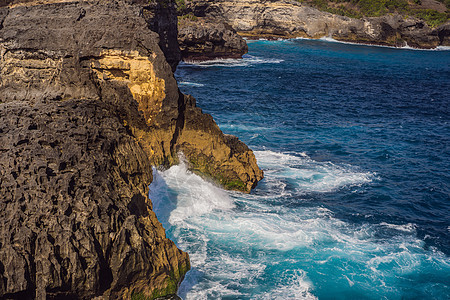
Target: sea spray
<point>307,175</point>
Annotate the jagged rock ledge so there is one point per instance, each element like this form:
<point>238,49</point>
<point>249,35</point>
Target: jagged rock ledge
<point>88,103</point>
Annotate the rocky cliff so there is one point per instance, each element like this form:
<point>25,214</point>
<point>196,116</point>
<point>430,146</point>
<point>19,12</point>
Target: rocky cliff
<point>107,51</point>
<point>75,217</point>
<point>290,19</point>
<point>205,39</point>
<point>88,103</point>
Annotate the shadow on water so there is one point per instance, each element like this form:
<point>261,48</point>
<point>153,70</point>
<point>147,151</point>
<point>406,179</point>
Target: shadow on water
<point>165,200</point>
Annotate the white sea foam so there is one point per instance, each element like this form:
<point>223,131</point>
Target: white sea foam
<point>309,175</point>
<point>242,246</point>
<point>247,60</point>
<point>224,275</point>
<point>190,83</point>
<point>194,196</point>
<point>410,227</point>
<point>296,286</point>
<point>406,46</point>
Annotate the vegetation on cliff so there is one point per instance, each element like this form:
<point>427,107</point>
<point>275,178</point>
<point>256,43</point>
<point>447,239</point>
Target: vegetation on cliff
<point>433,12</point>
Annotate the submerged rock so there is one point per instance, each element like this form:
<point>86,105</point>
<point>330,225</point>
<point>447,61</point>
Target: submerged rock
<point>203,39</point>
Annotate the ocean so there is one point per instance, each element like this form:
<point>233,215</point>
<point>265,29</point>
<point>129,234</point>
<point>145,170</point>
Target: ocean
<point>354,142</point>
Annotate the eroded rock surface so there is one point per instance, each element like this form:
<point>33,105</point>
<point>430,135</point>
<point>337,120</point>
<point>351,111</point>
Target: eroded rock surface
<point>75,217</point>
<point>290,19</point>
<point>105,50</point>
<point>204,39</point>
<point>87,50</point>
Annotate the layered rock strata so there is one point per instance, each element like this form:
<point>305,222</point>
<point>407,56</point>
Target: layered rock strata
<point>291,19</point>
<point>88,104</point>
<point>204,39</point>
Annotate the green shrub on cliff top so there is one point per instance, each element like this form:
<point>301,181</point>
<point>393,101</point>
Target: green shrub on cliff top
<point>432,17</point>
<point>181,6</point>
<point>189,17</point>
<point>343,11</point>
<point>377,8</point>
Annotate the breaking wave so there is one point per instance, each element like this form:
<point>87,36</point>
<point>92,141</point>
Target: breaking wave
<point>406,46</point>
<point>305,175</point>
<point>246,61</point>
<point>246,247</point>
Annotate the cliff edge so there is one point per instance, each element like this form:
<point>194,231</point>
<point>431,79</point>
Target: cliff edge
<point>88,102</point>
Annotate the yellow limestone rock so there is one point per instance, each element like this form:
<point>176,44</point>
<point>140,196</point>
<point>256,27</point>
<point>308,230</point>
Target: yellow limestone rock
<point>138,72</point>
<point>224,159</point>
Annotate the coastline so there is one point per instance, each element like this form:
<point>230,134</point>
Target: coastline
<point>88,107</point>
<point>291,19</point>
<point>331,40</point>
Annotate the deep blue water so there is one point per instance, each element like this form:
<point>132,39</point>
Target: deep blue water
<point>355,144</point>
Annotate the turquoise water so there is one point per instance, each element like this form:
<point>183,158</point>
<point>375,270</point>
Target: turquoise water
<point>355,144</point>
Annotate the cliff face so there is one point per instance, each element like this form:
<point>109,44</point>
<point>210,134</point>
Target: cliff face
<point>106,51</point>
<point>289,19</point>
<point>88,103</point>
<point>75,217</point>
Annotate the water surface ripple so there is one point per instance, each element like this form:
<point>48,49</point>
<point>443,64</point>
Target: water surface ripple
<point>354,142</point>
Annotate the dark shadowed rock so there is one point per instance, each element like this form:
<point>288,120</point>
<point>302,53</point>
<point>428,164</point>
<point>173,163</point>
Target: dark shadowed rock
<point>203,39</point>
<point>75,218</point>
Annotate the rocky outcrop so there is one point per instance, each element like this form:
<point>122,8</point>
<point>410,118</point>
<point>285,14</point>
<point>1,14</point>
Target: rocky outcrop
<point>290,19</point>
<point>88,102</point>
<point>105,51</point>
<point>204,39</point>
<point>229,161</point>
